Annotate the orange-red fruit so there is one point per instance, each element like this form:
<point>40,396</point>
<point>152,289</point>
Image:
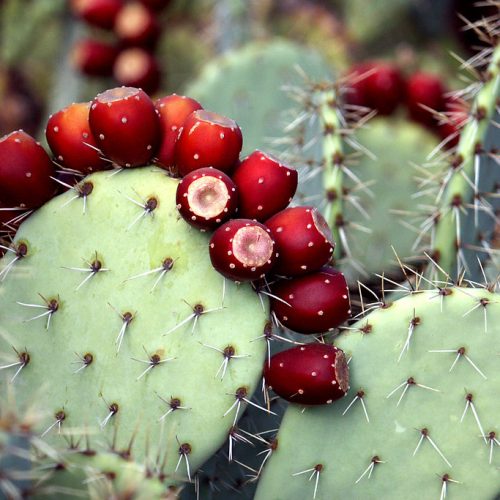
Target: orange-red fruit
<point>93,57</point>
<point>303,240</point>
<point>376,85</point>
<point>70,139</point>
<point>207,140</point>
<point>100,13</point>
<point>25,171</point>
<point>173,111</point>
<point>125,125</point>
<point>265,186</point>
<point>424,91</point>
<point>206,198</point>
<point>315,303</point>
<point>312,374</point>
<point>136,67</point>
<point>242,250</point>
<point>136,25</point>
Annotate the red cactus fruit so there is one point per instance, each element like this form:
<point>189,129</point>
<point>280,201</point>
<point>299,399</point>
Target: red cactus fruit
<point>136,67</point>
<point>206,197</point>
<point>125,125</point>
<point>424,91</point>
<point>25,171</point>
<point>93,58</point>
<point>173,111</point>
<point>303,240</point>
<point>265,186</point>
<point>136,26</point>
<point>70,139</point>
<point>376,85</point>
<point>315,303</point>
<point>156,4</point>
<point>100,13</point>
<point>242,250</point>
<point>207,140</point>
<point>312,374</point>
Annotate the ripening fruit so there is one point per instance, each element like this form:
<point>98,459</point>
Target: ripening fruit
<point>303,240</point>
<point>265,186</point>
<point>208,140</point>
<point>25,172</point>
<point>424,91</point>
<point>70,139</point>
<point>136,26</point>
<point>206,198</point>
<point>136,67</point>
<point>173,111</point>
<point>125,125</point>
<point>314,303</point>
<point>93,57</point>
<point>242,250</point>
<point>312,374</point>
<point>100,13</point>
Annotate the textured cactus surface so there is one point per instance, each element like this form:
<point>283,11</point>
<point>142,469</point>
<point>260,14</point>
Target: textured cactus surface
<point>118,327</point>
<point>229,86</point>
<point>421,417</point>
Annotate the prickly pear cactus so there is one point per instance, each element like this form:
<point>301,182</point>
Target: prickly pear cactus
<point>229,86</point>
<point>118,326</point>
<point>420,419</point>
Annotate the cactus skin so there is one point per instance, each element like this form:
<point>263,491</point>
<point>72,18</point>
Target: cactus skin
<point>344,444</point>
<point>228,85</point>
<point>462,205</point>
<point>59,236</point>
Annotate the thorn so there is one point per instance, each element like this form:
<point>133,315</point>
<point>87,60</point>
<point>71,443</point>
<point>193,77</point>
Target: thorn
<point>424,435</point>
<point>461,351</point>
<point>152,361</point>
<point>373,462</point>
<point>359,396</point>
<point>316,471</point>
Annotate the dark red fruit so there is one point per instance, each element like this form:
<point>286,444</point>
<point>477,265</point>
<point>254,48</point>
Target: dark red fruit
<point>70,139</point>
<point>25,171</point>
<point>206,197</point>
<point>207,140</point>
<point>94,58</point>
<point>125,125</point>
<point>156,4</point>
<point>136,67</point>
<point>381,89</point>
<point>173,111</point>
<point>242,250</point>
<point>303,240</point>
<point>423,92</point>
<point>315,303</point>
<point>312,374</point>
<point>100,13</point>
<point>136,26</point>
<point>265,186</point>
<point>10,218</point>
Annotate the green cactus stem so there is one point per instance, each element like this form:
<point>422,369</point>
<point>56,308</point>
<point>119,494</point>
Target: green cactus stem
<point>421,417</point>
<point>117,323</point>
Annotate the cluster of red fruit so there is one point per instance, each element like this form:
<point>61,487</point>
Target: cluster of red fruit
<point>382,86</point>
<point>130,59</point>
<point>284,250</point>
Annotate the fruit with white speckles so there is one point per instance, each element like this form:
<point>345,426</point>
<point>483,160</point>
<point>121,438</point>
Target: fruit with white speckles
<point>312,374</point>
<point>303,240</point>
<point>208,140</point>
<point>265,185</point>
<point>70,139</point>
<point>242,250</point>
<point>125,125</point>
<point>25,171</point>
<point>315,303</point>
<point>206,198</point>
<point>173,111</point>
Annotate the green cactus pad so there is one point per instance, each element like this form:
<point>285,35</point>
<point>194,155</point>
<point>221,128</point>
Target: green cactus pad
<point>135,333</point>
<point>229,86</point>
<point>421,422</point>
